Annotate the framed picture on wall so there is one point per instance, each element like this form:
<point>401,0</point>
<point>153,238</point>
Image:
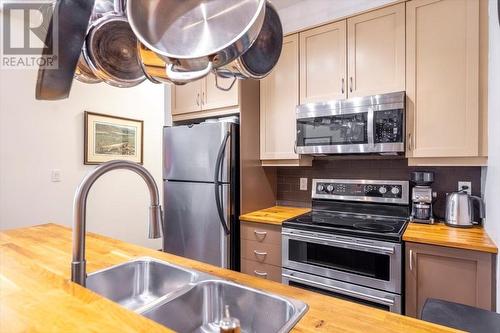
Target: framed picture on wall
<point>112,138</point>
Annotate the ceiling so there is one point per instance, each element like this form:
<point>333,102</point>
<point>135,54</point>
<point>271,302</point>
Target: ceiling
<point>280,4</point>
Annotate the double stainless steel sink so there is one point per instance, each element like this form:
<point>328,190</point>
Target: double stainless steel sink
<point>186,300</point>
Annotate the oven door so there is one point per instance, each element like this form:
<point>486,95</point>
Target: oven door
<point>371,263</point>
<point>350,292</point>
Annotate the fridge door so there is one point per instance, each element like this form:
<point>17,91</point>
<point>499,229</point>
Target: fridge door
<point>192,224</point>
<point>190,152</point>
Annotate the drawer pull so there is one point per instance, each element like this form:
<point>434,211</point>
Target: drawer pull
<point>258,253</point>
<point>260,234</point>
<point>263,274</point>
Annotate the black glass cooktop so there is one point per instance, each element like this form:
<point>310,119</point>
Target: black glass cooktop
<point>360,225</point>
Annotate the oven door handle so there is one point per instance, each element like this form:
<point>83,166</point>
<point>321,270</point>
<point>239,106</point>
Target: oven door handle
<point>333,242</point>
<point>343,291</point>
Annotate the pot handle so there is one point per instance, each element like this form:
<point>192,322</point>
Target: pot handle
<point>186,77</point>
<point>223,88</point>
<point>481,207</point>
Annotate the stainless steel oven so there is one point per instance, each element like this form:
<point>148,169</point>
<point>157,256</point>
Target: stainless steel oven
<point>373,124</point>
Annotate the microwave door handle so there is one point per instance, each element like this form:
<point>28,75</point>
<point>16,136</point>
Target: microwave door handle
<point>333,242</point>
<point>343,291</point>
<point>218,184</point>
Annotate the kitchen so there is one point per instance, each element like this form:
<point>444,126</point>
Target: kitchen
<point>275,168</point>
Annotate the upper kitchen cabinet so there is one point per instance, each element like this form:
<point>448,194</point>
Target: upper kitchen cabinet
<point>443,79</point>
<point>202,98</point>
<point>323,63</point>
<point>376,52</point>
<point>279,97</point>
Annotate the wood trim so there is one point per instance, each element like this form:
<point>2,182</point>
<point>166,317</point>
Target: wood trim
<point>206,114</point>
<point>302,161</point>
<point>448,161</point>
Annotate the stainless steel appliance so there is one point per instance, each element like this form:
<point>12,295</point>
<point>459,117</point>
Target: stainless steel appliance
<point>201,192</point>
<point>349,246</point>
<point>373,124</point>
<point>460,209</point>
<point>422,197</point>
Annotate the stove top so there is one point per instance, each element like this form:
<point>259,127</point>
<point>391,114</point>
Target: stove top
<point>361,225</point>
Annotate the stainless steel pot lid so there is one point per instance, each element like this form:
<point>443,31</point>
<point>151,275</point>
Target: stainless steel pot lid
<point>188,29</point>
<point>112,50</point>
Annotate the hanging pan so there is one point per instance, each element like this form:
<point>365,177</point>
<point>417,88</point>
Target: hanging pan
<point>194,37</point>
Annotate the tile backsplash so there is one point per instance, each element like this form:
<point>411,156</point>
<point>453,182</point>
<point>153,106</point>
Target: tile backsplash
<point>445,178</point>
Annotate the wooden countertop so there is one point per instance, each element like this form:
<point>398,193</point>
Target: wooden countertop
<point>275,215</point>
<point>36,295</point>
<point>474,238</point>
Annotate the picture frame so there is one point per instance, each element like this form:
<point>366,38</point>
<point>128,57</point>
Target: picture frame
<point>108,137</point>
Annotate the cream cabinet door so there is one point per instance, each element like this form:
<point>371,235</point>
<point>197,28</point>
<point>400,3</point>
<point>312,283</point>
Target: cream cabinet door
<point>186,98</point>
<point>376,51</point>
<point>442,78</point>
<point>215,98</point>
<point>323,63</point>
<point>279,96</point>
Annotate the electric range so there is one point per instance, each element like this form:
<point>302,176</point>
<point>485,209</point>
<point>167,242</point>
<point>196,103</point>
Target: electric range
<point>350,244</point>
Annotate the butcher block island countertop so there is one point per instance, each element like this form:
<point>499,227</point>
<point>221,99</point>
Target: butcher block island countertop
<point>275,215</point>
<point>37,296</point>
<point>474,238</point>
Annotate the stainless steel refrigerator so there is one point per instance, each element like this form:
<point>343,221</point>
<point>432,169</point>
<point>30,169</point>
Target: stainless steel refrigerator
<point>201,192</point>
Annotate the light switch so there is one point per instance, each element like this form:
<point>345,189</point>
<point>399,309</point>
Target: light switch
<point>303,184</point>
<point>55,175</point>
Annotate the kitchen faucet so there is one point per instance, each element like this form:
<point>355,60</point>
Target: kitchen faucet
<point>78,265</point>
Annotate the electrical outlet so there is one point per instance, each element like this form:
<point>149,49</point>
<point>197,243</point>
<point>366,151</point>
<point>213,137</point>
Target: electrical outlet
<point>55,175</point>
<point>463,184</point>
<point>303,184</point>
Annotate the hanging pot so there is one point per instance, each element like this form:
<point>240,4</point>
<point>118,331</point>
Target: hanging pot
<point>83,72</point>
<point>110,50</point>
<point>260,59</point>
<point>194,37</point>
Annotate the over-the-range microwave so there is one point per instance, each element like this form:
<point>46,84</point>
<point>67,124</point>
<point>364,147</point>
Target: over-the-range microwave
<point>361,125</point>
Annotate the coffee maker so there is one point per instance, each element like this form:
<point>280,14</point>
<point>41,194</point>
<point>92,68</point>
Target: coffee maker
<point>422,197</point>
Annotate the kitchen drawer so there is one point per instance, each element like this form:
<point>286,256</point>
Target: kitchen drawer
<point>260,252</point>
<point>262,233</point>
<point>261,270</point>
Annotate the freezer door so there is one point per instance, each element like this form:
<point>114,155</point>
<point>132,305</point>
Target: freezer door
<point>190,152</point>
<point>192,225</point>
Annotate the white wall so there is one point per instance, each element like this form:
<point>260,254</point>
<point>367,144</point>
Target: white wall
<point>308,13</point>
<point>37,136</point>
<point>492,190</point>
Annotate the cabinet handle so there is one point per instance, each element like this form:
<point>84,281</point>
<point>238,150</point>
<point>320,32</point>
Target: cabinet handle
<point>263,274</point>
<point>410,143</point>
<point>257,253</point>
<point>343,82</point>
<point>350,84</point>
<point>295,147</point>
<point>203,99</point>
<point>411,260</point>
<point>260,234</point>
<point>198,99</point>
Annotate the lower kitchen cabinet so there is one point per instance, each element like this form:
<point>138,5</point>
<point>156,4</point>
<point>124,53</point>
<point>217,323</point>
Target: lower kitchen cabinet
<point>456,275</point>
<point>261,250</point>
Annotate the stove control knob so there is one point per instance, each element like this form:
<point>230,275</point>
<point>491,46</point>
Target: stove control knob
<point>330,188</point>
<point>395,190</point>
<point>321,188</point>
<point>382,190</point>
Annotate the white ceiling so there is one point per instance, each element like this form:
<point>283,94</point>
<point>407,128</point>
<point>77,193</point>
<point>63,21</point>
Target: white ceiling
<point>280,4</point>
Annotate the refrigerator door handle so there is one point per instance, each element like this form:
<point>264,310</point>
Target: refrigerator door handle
<point>217,183</point>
